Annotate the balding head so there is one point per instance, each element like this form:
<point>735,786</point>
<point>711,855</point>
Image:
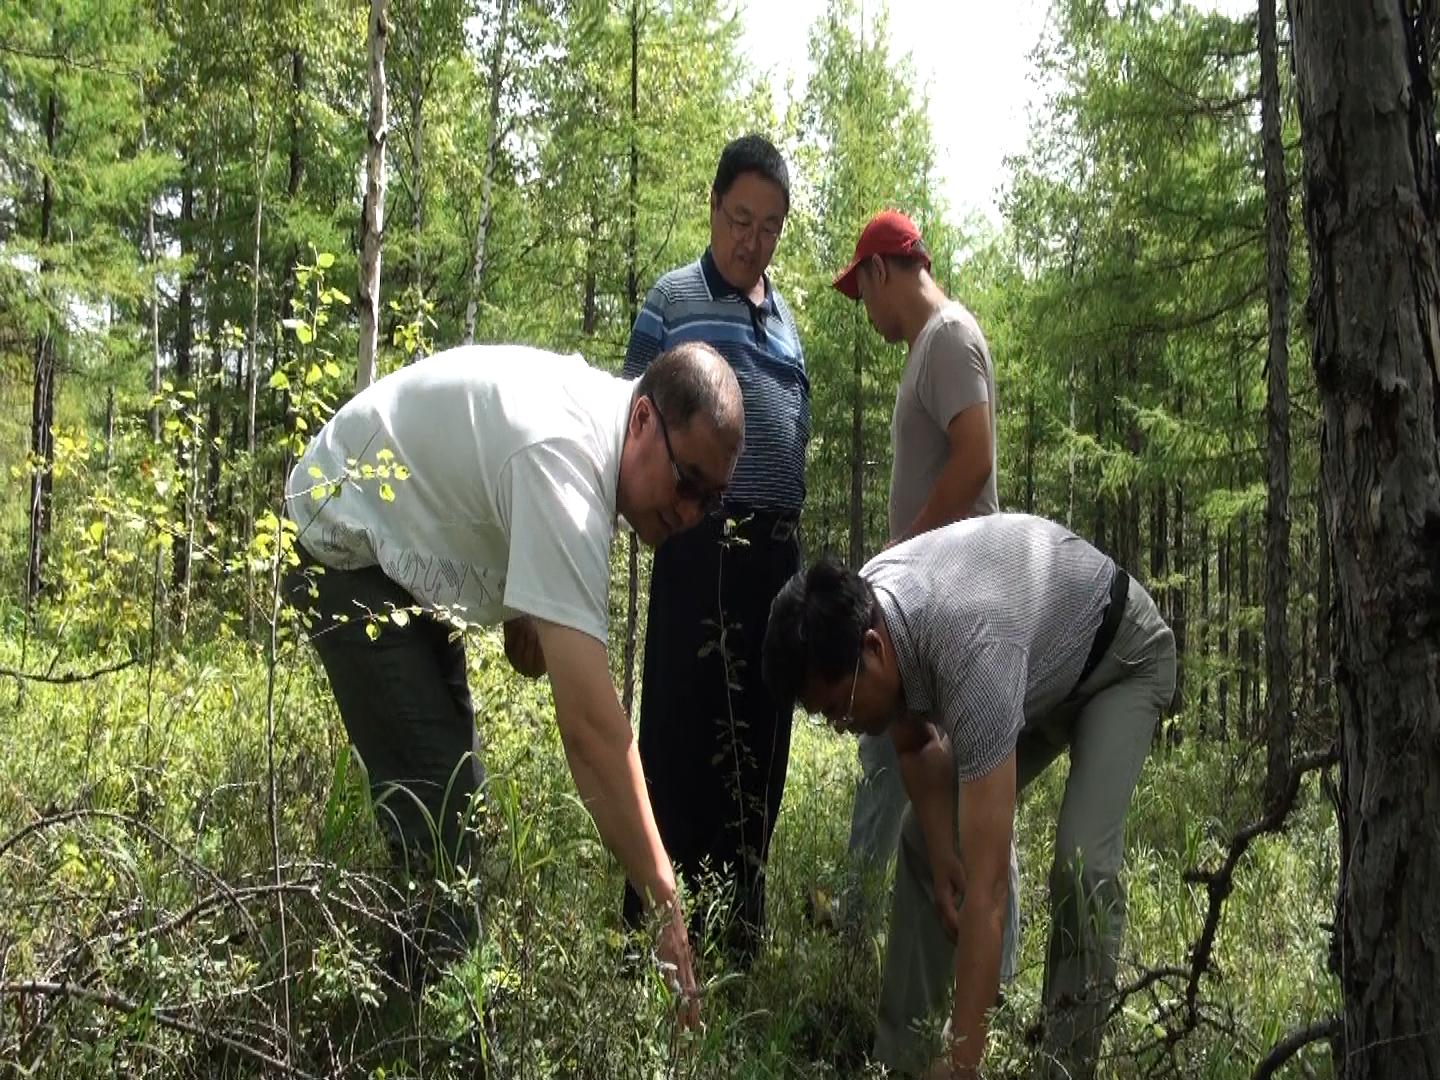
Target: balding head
<point>684,435</point>
<point>691,380</point>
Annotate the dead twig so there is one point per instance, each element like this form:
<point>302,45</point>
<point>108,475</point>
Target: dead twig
<point>162,1016</point>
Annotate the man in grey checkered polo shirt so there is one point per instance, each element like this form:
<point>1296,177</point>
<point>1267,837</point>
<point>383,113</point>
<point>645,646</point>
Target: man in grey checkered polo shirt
<point>985,649</point>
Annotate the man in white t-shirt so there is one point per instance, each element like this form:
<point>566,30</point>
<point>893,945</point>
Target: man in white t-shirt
<point>942,441</point>
<point>480,485</point>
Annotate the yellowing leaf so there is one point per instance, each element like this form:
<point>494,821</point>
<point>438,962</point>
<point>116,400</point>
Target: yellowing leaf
<point>372,631</point>
<point>387,493</point>
<point>400,617</point>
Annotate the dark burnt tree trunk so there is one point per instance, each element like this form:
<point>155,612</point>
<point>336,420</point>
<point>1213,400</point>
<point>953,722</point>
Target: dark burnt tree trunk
<point>42,400</point>
<point>1372,199</point>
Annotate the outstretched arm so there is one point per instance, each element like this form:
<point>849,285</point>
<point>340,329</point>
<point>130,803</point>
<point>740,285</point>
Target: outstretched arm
<point>605,763</point>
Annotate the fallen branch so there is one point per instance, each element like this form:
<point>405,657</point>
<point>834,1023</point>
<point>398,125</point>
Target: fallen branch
<point>1293,1043</point>
<point>159,1013</point>
<point>68,676</point>
<point>1219,883</point>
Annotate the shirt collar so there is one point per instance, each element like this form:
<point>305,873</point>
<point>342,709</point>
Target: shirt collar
<point>720,288</point>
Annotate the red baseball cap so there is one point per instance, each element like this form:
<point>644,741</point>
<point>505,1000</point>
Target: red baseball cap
<point>888,233</point>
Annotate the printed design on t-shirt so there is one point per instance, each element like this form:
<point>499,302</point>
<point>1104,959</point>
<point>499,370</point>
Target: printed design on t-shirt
<point>431,579</point>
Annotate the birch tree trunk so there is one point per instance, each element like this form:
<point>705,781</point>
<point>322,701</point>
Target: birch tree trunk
<point>487,174</point>
<point>372,223</point>
<point>1372,199</point>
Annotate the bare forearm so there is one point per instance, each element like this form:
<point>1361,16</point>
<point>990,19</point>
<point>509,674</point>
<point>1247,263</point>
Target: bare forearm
<point>952,497</point>
<point>612,786</point>
<point>977,977</point>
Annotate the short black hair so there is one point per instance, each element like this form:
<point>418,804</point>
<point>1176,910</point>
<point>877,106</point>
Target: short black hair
<point>752,153</point>
<point>692,379</point>
<point>817,626</point>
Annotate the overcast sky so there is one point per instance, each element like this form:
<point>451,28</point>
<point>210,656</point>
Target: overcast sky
<point>972,55</point>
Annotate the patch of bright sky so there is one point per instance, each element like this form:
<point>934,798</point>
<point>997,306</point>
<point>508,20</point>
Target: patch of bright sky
<point>973,57</point>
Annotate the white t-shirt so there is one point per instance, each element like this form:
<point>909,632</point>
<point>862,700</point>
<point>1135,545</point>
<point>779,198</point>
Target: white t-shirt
<point>509,505</point>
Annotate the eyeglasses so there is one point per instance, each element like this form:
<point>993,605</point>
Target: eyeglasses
<point>768,231</point>
<point>686,486</point>
<point>847,719</point>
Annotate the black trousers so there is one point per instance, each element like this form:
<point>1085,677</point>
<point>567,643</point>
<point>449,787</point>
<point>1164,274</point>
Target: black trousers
<point>714,744</point>
<point>405,701</point>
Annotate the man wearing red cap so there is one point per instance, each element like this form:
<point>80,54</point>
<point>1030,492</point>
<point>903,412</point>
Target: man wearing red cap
<point>942,440</point>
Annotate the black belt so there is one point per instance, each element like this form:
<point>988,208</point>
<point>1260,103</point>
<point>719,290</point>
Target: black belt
<point>1109,622</point>
<point>775,524</point>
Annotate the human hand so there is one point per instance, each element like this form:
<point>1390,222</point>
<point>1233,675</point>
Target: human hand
<point>522,647</point>
<point>673,951</point>
<point>949,884</point>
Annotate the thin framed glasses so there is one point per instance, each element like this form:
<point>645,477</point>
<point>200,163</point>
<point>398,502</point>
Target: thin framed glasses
<point>845,721</point>
<point>740,228</point>
<point>686,486</point>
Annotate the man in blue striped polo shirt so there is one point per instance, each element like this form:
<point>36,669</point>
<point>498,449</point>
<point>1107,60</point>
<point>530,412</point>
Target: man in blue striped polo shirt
<point>713,742</point>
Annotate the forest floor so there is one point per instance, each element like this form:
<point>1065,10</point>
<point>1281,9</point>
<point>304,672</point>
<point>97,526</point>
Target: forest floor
<point>159,915</point>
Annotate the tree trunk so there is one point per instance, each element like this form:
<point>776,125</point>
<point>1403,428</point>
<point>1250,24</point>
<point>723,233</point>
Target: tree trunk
<point>1244,643</point>
<point>187,449</point>
<point>1372,195</point>
<point>417,89</point>
<point>1178,621</point>
<point>372,216</point>
<point>1098,524</point>
<point>632,300</point>
<point>1203,652</point>
<point>1277,421</point>
<point>487,174</point>
<point>1030,452</point>
<point>42,400</point>
<point>1222,691</point>
<point>215,373</point>
<point>857,457</point>
<point>1324,615</point>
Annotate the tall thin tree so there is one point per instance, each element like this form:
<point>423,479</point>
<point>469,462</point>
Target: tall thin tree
<point>1277,419</point>
<point>372,217</point>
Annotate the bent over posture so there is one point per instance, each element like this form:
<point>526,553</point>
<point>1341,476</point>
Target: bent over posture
<point>520,463</point>
<point>985,649</point>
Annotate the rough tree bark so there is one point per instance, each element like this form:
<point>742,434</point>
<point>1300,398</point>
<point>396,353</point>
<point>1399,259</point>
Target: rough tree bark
<point>372,216</point>
<point>1278,719</point>
<point>1372,201</point>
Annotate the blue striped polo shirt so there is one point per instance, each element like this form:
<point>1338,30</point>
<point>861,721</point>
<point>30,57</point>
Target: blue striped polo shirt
<point>694,303</point>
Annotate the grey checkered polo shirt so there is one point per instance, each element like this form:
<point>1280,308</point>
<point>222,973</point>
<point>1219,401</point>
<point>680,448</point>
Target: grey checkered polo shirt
<point>992,619</point>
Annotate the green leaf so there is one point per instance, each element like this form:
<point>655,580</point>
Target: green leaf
<point>304,334</point>
<point>372,631</point>
<point>400,617</point>
<point>324,260</point>
<point>316,472</point>
<point>279,381</point>
<point>387,493</point>
<point>313,374</point>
